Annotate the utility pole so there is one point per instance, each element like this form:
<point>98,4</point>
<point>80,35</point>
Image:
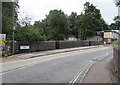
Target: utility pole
<point>98,38</point>
<point>1,17</point>
<point>14,26</point>
<point>119,15</point>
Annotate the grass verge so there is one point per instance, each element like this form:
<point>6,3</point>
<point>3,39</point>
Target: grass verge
<point>2,54</point>
<point>116,43</point>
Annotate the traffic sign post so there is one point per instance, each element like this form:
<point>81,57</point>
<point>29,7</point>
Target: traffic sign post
<point>2,41</point>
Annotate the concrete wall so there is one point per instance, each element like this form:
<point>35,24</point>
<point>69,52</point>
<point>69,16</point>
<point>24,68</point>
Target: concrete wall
<point>116,60</point>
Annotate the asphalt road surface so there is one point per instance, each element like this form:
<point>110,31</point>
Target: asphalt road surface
<point>68,67</point>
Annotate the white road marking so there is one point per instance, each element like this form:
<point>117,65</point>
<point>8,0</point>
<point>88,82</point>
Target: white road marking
<point>107,54</point>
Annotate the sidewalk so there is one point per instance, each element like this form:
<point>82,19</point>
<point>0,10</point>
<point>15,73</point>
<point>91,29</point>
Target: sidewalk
<point>11,58</point>
<point>42,53</point>
<point>101,72</point>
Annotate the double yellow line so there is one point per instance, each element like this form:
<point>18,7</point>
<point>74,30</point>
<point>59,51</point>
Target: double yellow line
<point>75,78</point>
<point>73,81</point>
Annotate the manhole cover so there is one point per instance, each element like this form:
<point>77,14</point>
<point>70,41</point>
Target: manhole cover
<point>95,59</point>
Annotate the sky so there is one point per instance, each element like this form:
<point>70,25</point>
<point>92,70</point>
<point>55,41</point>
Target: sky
<point>37,9</point>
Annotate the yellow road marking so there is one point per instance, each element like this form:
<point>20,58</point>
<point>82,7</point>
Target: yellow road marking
<point>78,75</point>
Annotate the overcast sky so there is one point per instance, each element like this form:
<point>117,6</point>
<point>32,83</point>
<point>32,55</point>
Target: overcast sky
<point>37,9</point>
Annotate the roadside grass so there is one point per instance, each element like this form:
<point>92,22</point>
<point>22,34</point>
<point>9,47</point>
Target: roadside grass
<point>0,54</point>
<point>116,43</point>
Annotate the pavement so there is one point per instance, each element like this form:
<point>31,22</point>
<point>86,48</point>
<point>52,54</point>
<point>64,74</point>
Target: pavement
<point>41,53</point>
<point>101,72</point>
<point>11,58</point>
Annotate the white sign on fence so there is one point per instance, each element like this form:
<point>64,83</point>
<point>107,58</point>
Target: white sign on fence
<point>24,47</point>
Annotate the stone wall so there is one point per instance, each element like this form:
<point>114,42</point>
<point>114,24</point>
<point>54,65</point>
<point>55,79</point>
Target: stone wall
<point>47,45</point>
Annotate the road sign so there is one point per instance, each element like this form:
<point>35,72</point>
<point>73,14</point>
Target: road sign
<point>2,36</point>
<point>24,47</point>
<point>2,42</point>
<point>2,39</point>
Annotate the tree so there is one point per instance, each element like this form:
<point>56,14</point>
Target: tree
<point>58,25</point>
<point>90,9</point>
<point>116,25</point>
<point>117,2</point>
<point>90,21</point>
<point>116,18</point>
<point>28,33</point>
<point>9,17</point>
<point>42,27</point>
<point>25,21</point>
<point>113,26</point>
<point>72,19</point>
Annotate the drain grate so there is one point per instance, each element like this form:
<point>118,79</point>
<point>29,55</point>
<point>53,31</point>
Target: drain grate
<point>95,59</point>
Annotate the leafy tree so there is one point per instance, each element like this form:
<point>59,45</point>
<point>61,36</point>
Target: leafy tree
<point>90,9</point>
<point>73,29</point>
<point>42,27</point>
<point>28,33</point>
<point>116,18</point>
<point>9,17</point>
<point>25,21</point>
<point>58,25</point>
<point>117,2</point>
<point>116,25</point>
<point>91,21</point>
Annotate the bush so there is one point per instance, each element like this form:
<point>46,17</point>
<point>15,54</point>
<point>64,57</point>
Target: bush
<point>116,43</point>
<point>3,54</point>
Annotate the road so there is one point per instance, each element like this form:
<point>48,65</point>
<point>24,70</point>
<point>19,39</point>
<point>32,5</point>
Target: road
<point>68,67</point>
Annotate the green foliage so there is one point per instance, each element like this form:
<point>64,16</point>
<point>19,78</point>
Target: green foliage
<point>90,21</point>
<point>28,33</point>
<point>117,2</point>
<point>116,24</point>
<point>0,54</point>
<point>116,43</point>
<point>3,54</point>
<point>57,24</point>
<point>73,22</point>
<point>9,17</point>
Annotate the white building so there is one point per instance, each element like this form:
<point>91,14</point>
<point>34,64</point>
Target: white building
<point>110,36</point>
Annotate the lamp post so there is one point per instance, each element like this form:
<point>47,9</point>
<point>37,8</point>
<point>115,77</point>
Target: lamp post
<point>13,41</point>
<point>14,26</point>
<point>98,35</point>
<point>119,15</point>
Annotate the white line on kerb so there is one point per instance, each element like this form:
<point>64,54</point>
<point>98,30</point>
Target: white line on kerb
<point>107,54</point>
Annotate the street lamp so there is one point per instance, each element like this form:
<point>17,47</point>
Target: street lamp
<point>14,26</point>
<point>119,15</point>
<point>98,35</point>
<point>13,51</point>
